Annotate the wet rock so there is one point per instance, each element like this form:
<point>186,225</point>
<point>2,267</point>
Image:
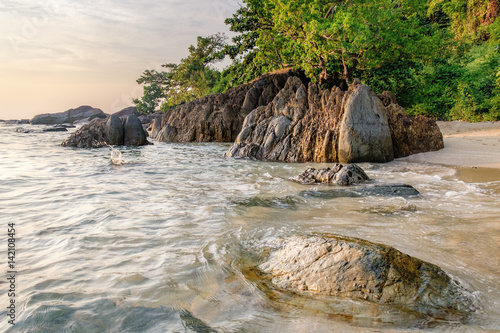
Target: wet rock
<point>310,124</point>
<point>338,174</point>
<point>134,134</point>
<point>103,132</point>
<point>219,117</point>
<point>56,129</point>
<point>114,130</point>
<point>288,202</point>
<point>329,265</point>
<point>69,116</point>
<point>390,190</point>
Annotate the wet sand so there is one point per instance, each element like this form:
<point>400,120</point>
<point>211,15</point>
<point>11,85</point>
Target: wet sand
<point>474,148</point>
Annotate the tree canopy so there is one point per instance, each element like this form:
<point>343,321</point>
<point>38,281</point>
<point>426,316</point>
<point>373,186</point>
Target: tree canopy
<point>440,57</point>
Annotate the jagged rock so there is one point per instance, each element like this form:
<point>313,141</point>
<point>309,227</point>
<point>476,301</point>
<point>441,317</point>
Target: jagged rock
<point>310,124</point>
<point>69,116</point>
<point>345,267</point>
<point>219,117</point>
<point>134,134</point>
<point>339,174</point>
<point>155,128</point>
<point>103,132</point>
<point>114,130</point>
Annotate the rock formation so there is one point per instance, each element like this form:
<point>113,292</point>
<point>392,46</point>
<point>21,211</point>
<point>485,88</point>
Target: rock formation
<point>339,174</point>
<point>352,268</point>
<point>131,110</point>
<point>69,116</point>
<point>111,131</point>
<point>309,124</point>
<point>219,117</point>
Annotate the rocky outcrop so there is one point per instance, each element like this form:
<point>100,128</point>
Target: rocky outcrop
<point>338,174</point>
<point>310,124</point>
<point>112,131</point>
<point>220,117</point>
<point>344,267</point>
<point>69,116</point>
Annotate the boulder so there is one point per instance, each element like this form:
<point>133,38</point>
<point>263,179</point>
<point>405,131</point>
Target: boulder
<point>328,265</point>
<point>364,134</point>
<point>412,135</point>
<point>69,116</point>
<point>131,110</point>
<point>104,132</point>
<point>134,134</point>
<point>219,117</point>
<point>339,174</point>
<point>114,130</point>
<point>314,125</point>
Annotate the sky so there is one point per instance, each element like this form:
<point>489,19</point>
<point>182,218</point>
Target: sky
<point>59,54</point>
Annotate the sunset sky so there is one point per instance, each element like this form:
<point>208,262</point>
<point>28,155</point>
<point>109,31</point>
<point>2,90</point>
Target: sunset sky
<point>60,54</point>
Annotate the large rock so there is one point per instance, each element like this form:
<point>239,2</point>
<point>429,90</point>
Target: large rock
<point>69,116</point>
<point>219,117</point>
<point>310,124</point>
<point>344,267</point>
<point>134,134</point>
<point>412,135</point>
<point>364,134</point>
<point>114,130</point>
<point>338,174</point>
<point>104,132</point>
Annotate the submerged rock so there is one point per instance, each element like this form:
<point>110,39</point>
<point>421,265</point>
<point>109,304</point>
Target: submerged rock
<point>390,190</point>
<point>339,174</point>
<point>69,116</point>
<point>103,132</point>
<point>310,124</point>
<point>337,266</point>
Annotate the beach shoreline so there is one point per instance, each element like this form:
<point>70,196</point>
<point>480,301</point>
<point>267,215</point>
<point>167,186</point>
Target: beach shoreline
<point>466,146</point>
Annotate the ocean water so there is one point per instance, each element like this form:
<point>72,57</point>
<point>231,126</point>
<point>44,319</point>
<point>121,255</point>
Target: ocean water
<point>162,238</point>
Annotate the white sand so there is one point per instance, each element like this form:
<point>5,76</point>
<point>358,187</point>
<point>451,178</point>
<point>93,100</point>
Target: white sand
<point>465,145</point>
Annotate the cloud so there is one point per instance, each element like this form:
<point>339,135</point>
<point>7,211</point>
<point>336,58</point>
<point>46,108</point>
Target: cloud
<point>117,39</point>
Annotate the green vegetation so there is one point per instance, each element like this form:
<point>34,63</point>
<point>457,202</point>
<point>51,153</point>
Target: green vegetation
<point>440,57</point>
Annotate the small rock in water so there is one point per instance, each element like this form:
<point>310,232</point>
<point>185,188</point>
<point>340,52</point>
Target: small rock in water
<point>339,174</point>
<point>329,265</point>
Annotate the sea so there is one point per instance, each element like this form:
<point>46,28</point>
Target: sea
<point>167,238</point>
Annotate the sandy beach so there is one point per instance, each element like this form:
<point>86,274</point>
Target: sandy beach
<point>474,148</point>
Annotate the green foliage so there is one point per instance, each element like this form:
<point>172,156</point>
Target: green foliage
<point>440,57</point>
<point>192,78</point>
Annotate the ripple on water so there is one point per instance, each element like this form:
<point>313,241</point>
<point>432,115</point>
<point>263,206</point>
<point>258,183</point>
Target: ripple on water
<point>165,239</point>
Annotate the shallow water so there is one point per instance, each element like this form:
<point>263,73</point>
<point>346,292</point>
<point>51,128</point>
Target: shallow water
<point>162,241</point>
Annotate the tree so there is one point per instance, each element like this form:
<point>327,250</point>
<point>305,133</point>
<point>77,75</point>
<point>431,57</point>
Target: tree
<point>192,78</point>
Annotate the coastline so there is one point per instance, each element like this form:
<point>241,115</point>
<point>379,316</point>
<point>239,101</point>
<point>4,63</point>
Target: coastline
<point>466,146</point>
